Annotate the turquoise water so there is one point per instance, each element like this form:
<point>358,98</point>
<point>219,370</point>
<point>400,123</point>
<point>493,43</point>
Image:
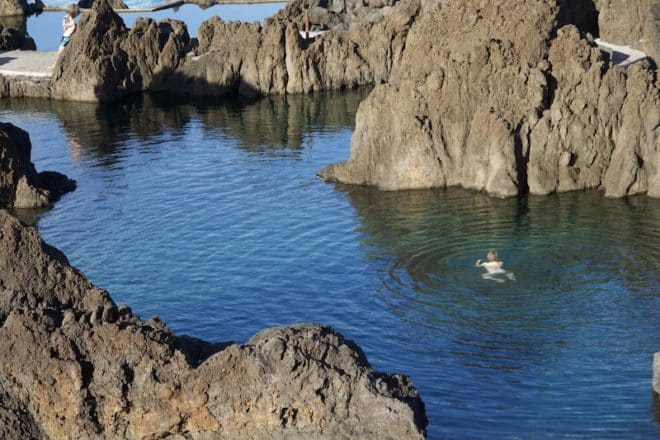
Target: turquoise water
<point>209,214</point>
<point>46,28</point>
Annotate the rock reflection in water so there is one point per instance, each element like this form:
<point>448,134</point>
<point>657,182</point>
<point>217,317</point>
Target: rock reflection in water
<point>262,126</point>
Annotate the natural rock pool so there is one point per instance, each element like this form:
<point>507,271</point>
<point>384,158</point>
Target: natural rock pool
<point>208,214</point>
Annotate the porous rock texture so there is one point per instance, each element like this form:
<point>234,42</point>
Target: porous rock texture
<point>20,185</point>
<point>73,365</point>
<point>106,61</point>
<point>623,21</point>
<point>493,108</point>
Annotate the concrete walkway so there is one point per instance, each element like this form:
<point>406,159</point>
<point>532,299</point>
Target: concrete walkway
<point>27,63</point>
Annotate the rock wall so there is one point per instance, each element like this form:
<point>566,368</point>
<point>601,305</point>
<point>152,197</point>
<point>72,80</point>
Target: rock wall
<point>481,102</point>
<point>75,365</point>
<point>623,21</point>
<point>105,61</point>
<point>455,111</point>
<point>13,7</point>
<point>601,129</point>
<point>20,185</point>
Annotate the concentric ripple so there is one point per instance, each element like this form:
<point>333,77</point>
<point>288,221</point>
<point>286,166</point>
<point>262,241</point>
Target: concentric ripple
<point>209,214</point>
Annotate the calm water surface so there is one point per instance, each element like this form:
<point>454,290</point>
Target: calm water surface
<point>209,214</point>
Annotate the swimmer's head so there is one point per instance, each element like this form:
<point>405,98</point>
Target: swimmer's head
<point>492,256</point>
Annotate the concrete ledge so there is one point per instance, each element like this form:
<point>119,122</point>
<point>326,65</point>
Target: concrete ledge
<point>26,63</point>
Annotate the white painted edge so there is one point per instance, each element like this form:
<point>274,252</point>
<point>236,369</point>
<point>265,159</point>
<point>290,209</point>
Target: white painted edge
<point>634,55</point>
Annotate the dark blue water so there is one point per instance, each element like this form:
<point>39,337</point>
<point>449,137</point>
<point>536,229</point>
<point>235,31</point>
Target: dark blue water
<point>209,214</point>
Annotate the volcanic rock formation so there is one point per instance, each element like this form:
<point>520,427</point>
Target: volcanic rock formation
<point>75,365</point>
<point>20,185</point>
<point>492,108</point>
<point>106,61</point>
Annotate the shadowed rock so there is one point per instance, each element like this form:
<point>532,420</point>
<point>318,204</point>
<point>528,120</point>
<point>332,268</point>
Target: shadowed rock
<point>75,365</point>
<point>20,185</point>
<point>105,61</point>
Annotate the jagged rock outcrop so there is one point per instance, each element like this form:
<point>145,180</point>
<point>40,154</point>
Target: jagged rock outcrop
<point>115,4</point>
<point>251,59</point>
<point>75,365</point>
<point>492,108</point>
<point>601,130</point>
<point>458,117</point>
<point>12,8</point>
<point>20,185</point>
<point>105,61</point>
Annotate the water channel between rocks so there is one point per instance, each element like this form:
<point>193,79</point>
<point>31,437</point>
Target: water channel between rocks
<point>209,214</point>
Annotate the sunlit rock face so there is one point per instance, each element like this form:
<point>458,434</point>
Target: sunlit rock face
<point>496,98</point>
<point>73,364</point>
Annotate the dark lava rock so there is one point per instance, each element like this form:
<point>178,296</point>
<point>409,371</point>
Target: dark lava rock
<point>74,365</point>
<point>20,185</point>
<point>498,99</point>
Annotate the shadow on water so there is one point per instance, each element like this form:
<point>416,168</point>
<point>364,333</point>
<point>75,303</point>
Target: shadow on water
<point>265,125</point>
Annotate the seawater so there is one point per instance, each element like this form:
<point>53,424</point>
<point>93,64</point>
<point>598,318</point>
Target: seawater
<point>210,215</point>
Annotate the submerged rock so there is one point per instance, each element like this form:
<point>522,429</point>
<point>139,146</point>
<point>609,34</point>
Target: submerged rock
<point>75,365</point>
<point>20,185</point>
<point>505,103</point>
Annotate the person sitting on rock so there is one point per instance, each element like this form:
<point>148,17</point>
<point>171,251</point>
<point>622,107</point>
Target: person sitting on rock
<point>493,267</point>
<point>68,28</point>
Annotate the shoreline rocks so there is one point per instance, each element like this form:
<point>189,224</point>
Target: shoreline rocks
<point>21,187</point>
<point>73,364</point>
<point>507,104</point>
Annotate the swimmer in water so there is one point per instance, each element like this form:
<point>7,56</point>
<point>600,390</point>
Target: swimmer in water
<point>493,267</point>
